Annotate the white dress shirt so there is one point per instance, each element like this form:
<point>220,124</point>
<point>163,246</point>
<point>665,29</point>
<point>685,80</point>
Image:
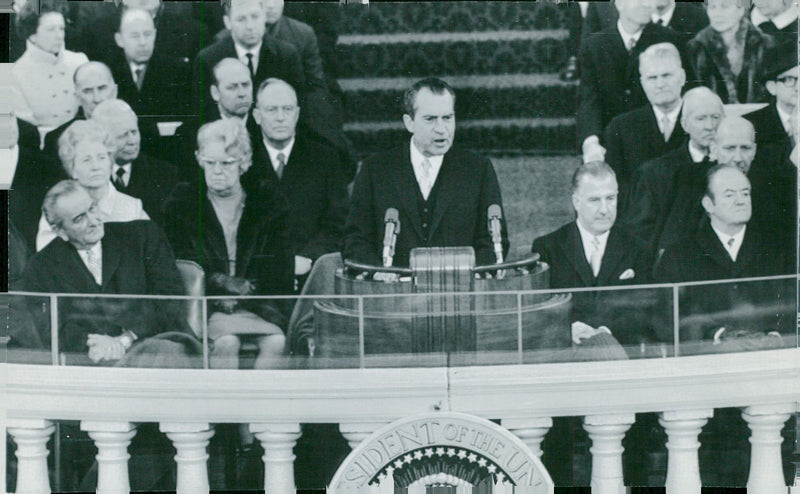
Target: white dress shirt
<point>780,21</point>
<point>665,17</point>
<point>417,158</point>
<point>126,177</point>
<point>732,243</point>
<point>97,251</point>
<point>627,37</point>
<point>134,66</point>
<point>241,54</point>
<point>672,116</point>
<point>115,206</point>
<point>8,166</point>
<point>697,155</point>
<point>274,152</point>
<point>786,120</point>
<point>586,240</point>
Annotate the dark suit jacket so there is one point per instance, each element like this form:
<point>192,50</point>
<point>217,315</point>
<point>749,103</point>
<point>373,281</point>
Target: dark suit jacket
<point>623,312</point>
<point>302,37</point>
<point>51,138</point>
<point>136,260</point>
<point>687,19</point>
<point>768,125</point>
<point>276,59</point>
<point>166,89</point>
<point>467,187</point>
<point>262,244</point>
<point>633,138</point>
<point>151,181</point>
<point>610,76</point>
<point>315,184</point>
<point>706,308</point>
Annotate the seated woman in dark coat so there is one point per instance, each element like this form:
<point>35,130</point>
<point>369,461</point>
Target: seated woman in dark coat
<point>239,238</point>
<point>727,56</point>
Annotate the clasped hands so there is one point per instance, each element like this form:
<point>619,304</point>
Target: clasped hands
<point>104,347</point>
<point>234,286</point>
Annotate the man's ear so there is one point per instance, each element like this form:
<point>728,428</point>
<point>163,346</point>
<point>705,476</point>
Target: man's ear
<point>256,114</point>
<point>215,92</point>
<point>118,39</point>
<point>574,202</point>
<point>707,203</point>
<point>771,87</point>
<point>113,90</point>
<point>60,232</point>
<point>227,21</point>
<point>408,121</point>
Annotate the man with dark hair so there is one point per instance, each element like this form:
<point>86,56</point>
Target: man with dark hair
<point>645,133</point>
<point>263,55</point>
<point>442,194</point>
<point>776,123</point>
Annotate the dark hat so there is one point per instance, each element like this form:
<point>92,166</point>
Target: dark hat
<point>777,61</point>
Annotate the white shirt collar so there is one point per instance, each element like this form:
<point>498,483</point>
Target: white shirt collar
<point>241,53</point>
<point>738,238</point>
<point>416,163</point>
<point>8,166</point>
<point>222,116</point>
<point>672,115</point>
<point>696,154</point>
<point>273,153</point>
<point>586,240</point>
<point>780,21</point>
<point>785,118</point>
<point>97,250</point>
<point>626,35</point>
<point>665,17</point>
<point>125,178</point>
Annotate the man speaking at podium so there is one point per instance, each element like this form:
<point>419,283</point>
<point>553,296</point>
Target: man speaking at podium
<point>427,193</point>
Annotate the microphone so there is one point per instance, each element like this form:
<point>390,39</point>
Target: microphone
<point>391,224</point>
<point>495,214</point>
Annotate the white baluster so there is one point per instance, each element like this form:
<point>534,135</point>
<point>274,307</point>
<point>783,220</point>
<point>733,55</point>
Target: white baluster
<point>112,440</point>
<point>357,432</point>
<point>765,423</point>
<point>278,440</point>
<point>606,433</point>
<point>683,468</point>
<point>31,436</point>
<point>190,441</point>
<point>530,431</point>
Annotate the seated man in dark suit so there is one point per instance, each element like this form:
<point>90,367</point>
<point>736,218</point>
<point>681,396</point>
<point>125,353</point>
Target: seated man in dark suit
<point>263,55</point>
<point>609,73</point>
<point>135,173</point>
<point>154,84</point>
<point>776,123</point>
<point>442,194</point>
<point>645,133</point>
<point>667,190</point>
<point>306,170</point>
<point>726,246</point>
<point>116,258</point>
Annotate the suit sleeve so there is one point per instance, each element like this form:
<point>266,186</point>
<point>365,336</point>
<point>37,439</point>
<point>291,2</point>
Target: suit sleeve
<point>328,237</point>
<point>490,194</point>
<point>360,236</point>
<point>613,143</point>
<point>641,216</point>
<point>589,116</point>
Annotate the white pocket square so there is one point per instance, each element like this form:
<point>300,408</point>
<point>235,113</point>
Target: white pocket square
<point>628,274</point>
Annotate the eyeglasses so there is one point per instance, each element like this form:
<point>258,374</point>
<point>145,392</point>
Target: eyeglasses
<point>788,80</point>
<point>273,110</point>
<point>209,163</point>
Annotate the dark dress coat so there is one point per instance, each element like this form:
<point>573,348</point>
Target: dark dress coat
<point>136,260</point>
<point>762,306</point>
<point>624,311</point>
<point>262,245</point>
<point>769,127</point>
<point>315,185</point>
<point>276,59</point>
<point>151,181</point>
<point>610,76</point>
<point>633,138</point>
<point>465,188</point>
<point>709,63</point>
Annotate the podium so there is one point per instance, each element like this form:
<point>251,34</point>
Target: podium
<point>443,303</point>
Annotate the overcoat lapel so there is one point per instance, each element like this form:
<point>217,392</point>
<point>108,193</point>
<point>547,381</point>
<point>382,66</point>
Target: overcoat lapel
<point>573,252</point>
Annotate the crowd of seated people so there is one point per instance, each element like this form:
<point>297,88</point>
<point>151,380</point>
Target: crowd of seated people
<point>252,185</point>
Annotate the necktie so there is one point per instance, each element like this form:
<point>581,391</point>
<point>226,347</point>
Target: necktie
<point>665,127</point>
<point>595,257</point>
<point>93,263</point>
<point>730,248</point>
<point>119,181</point>
<point>250,66</point>
<point>426,178</point>
<point>138,73</point>
<point>281,165</point>
<point>791,129</point>
<point>768,27</point>
<point>631,44</point>
<point>660,21</point>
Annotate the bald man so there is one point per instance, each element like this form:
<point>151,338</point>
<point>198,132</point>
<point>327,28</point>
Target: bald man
<point>153,83</point>
<point>134,173</point>
<point>667,190</point>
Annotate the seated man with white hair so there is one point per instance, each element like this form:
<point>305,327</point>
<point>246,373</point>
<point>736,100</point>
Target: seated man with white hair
<point>86,150</point>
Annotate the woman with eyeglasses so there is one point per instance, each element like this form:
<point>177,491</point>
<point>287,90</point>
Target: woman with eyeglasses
<point>728,55</point>
<point>87,151</point>
<point>239,238</point>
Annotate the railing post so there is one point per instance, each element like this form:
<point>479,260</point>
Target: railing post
<point>190,441</point>
<point>278,441</point>
<point>606,433</point>
<point>765,423</point>
<point>531,431</point>
<point>112,440</point>
<point>357,432</point>
<point>31,436</point>
<point>683,467</point>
